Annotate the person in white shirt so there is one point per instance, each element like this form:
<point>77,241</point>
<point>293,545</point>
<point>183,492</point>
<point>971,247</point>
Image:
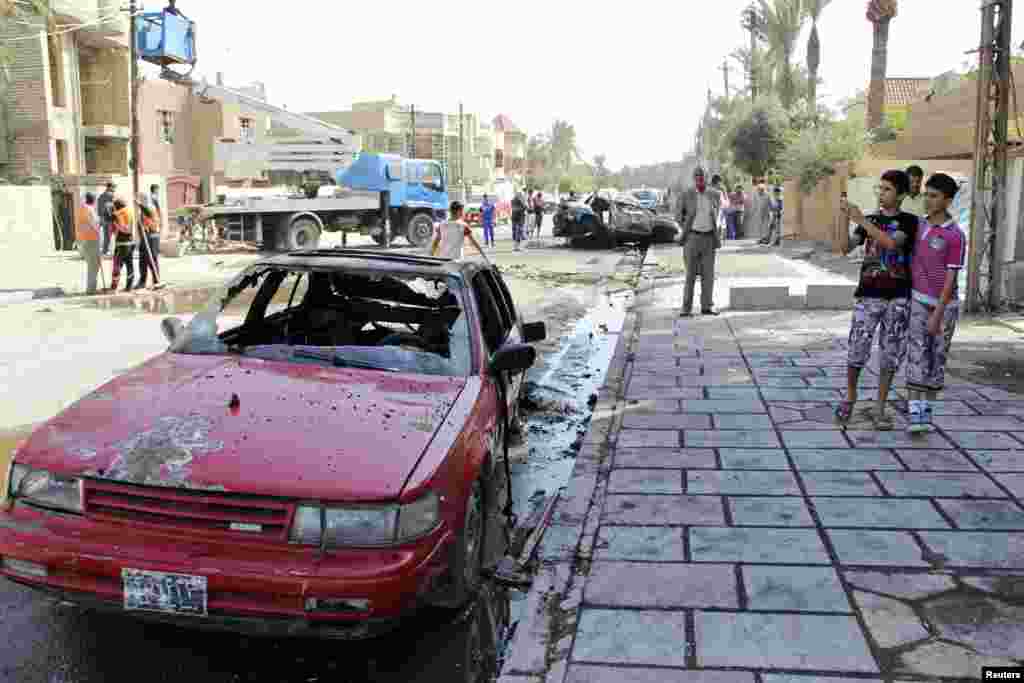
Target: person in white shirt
<point>451,236</point>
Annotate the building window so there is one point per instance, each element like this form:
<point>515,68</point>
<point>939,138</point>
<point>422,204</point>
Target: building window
<point>248,130</point>
<point>499,158</point>
<point>165,126</point>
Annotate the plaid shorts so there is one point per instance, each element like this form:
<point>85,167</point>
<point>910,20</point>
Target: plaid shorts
<point>890,317</point>
<point>926,361</point>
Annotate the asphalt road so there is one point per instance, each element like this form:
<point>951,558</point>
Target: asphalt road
<point>54,353</point>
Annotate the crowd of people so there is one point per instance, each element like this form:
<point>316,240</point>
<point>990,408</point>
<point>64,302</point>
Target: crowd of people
<point>106,225</point>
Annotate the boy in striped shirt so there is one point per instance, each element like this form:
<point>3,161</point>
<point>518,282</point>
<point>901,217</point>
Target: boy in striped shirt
<point>934,307</point>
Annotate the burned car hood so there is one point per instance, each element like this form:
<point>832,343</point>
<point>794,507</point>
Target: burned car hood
<point>250,426</point>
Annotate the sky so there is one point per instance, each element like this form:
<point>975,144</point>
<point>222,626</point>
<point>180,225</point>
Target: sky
<point>633,80</point>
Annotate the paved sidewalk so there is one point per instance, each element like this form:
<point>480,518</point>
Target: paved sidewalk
<point>719,527</point>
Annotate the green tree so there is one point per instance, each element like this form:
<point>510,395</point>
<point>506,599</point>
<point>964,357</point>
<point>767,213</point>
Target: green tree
<point>758,136</point>
<point>814,10</point>
<point>812,154</point>
<point>601,167</point>
<point>562,141</point>
<point>782,21</point>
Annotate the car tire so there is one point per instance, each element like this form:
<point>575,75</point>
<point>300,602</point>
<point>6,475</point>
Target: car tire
<point>465,561</point>
<point>303,233</point>
<point>420,230</point>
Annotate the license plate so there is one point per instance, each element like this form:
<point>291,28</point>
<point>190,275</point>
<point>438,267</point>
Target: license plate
<point>148,591</point>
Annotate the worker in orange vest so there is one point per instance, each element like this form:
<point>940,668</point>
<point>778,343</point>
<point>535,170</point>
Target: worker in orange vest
<point>149,243</point>
<point>87,235</point>
<point>124,244</point>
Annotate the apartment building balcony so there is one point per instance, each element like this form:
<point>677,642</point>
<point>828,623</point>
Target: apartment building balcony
<point>103,24</point>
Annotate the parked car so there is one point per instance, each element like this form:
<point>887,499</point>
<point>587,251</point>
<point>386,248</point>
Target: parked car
<point>647,198</point>
<point>606,218</point>
<point>332,459</point>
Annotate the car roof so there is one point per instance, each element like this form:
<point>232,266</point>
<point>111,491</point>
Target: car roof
<point>372,260</point>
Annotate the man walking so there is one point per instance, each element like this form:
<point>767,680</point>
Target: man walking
<point>124,233</point>
<point>487,210</point>
<point>734,213</point>
<point>518,218</point>
<point>88,235</point>
<point>723,202</point>
<point>759,216</point>
<point>149,240</point>
<point>699,210</point>
<point>538,212</point>
<point>105,209</point>
<point>774,236</point>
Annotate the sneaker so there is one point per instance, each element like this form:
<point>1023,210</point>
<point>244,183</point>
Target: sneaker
<point>883,422</point>
<point>844,411</point>
<point>919,423</point>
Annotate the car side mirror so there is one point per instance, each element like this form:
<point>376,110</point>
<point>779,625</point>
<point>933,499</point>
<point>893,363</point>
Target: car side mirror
<point>534,332</point>
<point>513,358</point>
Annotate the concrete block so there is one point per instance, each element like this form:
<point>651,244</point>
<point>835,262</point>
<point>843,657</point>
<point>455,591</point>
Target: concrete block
<point>830,297</point>
<point>758,298</point>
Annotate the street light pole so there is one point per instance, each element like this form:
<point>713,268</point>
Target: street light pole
<point>134,75</point>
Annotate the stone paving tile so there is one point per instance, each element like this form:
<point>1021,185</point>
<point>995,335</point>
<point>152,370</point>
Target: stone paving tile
<point>984,514</point>
<point>771,394</point>
<point>694,438</point>
<point>815,424</point>
<point>781,383</point>
<point>783,415</point>
<point>645,481</point>
<point>580,673</point>
<point>945,408</point>
<point>999,461</point>
<point>777,546</point>
<point>944,484</point>
<point>599,637</point>
<point>650,380</point>
<point>840,484</point>
<point>892,548</point>
<point>979,423</point>
<point>983,441</point>
<point>897,439</point>
<point>935,461</point>
<point>989,626</point>
<point>789,511</point>
<point>646,438</point>
<point>785,371</point>
<point>666,458</point>
<point>1014,482</point>
<point>812,439</point>
<point>844,459</point>
<point>753,459</point>
<point>666,421</point>
<point>741,482</point>
<point>1015,408</point>
<point>953,662</point>
<point>656,544</point>
<point>901,585</point>
<point>661,585</point>
<point>800,589</point>
<point>648,406</point>
<point>782,641</point>
<point>723,406</point>
<point>743,421</point>
<point>662,393</point>
<point>732,392</point>
<point>888,512</point>
<point>786,678</point>
<point>890,622</point>
<point>977,549</point>
<point>654,510</point>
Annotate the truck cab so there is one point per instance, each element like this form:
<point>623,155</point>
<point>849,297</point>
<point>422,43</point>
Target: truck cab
<point>417,191</point>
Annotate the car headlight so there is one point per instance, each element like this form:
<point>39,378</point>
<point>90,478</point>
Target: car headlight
<point>46,489</point>
<point>365,525</point>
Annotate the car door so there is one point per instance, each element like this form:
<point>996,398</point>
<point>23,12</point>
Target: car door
<point>515,334</point>
<point>500,327</point>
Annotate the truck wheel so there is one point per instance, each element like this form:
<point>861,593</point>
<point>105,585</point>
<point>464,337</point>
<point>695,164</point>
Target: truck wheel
<point>302,234</point>
<point>420,230</point>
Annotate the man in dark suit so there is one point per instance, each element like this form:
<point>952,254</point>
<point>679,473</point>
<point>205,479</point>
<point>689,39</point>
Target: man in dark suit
<point>699,208</point>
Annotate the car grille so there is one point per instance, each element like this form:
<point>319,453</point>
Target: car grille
<point>188,511</point>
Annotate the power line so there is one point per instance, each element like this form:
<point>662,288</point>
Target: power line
<point>66,29</point>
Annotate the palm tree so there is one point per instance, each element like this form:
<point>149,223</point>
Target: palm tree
<point>562,144</point>
<point>880,13</point>
<point>782,21</point>
<point>814,9</point>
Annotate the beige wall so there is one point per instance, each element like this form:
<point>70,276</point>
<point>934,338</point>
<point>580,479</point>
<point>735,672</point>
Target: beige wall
<point>105,94</point>
<point>157,156</point>
<point>815,216</point>
<point>26,223</point>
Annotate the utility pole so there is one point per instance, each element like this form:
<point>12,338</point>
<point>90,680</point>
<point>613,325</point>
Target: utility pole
<point>412,131</point>
<point>988,197</point>
<point>725,75</point>
<point>751,23</point>
<point>133,152</point>
<point>462,152</point>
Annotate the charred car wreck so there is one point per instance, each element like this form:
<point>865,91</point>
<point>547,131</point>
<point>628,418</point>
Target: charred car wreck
<point>332,459</point>
<point>606,220</point>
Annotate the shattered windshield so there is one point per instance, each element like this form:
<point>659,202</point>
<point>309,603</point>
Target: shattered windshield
<point>394,322</point>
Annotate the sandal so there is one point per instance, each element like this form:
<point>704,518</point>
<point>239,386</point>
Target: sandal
<point>883,422</point>
<point>844,411</point>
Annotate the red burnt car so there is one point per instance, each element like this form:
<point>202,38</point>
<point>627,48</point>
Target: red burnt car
<point>332,458</point>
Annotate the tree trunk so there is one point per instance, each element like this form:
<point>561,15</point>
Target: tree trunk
<point>813,61</point>
<point>876,91</point>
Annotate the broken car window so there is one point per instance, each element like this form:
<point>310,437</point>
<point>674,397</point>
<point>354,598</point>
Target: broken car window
<point>378,320</point>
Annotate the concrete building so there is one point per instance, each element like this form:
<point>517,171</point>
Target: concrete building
<point>510,149</point>
<point>65,107</point>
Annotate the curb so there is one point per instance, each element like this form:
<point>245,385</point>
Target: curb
<point>18,296</point>
<point>539,650</point>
